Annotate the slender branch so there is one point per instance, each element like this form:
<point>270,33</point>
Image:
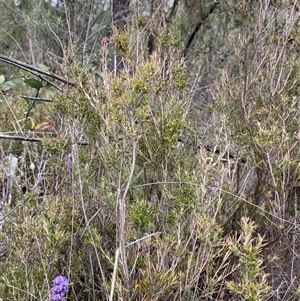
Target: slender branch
<point>196,29</point>
<point>20,138</point>
<point>49,82</point>
<point>122,212</point>
<point>34,70</point>
<point>173,9</point>
<point>33,139</point>
<point>36,98</point>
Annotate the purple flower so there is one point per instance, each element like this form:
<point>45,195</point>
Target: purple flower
<point>215,188</point>
<point>164,210</point>
<point>69,160</point>
<point>60,288</point>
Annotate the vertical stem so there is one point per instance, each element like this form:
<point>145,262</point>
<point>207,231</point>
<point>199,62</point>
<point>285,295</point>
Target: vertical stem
<point>122,196</point>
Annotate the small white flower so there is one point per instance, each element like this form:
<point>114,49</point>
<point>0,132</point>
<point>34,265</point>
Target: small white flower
<point>32,166</point>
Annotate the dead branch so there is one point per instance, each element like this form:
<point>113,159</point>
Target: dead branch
<point>197,28</point>
<point>33,139</point>
<point>36,71</point>
<point>20,138</point>
<point>36,98</point>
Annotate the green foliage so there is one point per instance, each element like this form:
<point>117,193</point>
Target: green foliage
<point>32,82</point>
<point>261,116</point>
<point>142,216</point>
<point>55,146</point>
<point>8,85</point>
<point>38,239</point>
<point>250,281</point>
<point>111,198</point>
<point>122,43</point>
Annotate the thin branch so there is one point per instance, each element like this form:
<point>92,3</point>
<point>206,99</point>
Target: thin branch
<point>49,82</point>
<point>196,29</point>
<point>173,10</point>
<point>33,139</point>
<point>20,138</point>
<point>36,98</point>
<point>122,210</point>
<point>35,71</point>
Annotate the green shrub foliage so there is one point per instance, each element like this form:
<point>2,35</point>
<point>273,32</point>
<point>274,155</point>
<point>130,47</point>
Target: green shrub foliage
<point>125,189</point>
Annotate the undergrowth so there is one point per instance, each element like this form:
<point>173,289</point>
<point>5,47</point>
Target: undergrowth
<point>114,201</point>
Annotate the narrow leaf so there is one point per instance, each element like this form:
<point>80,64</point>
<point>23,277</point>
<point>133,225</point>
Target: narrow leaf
<point>18,82</point>
<point>6,86</point>
<point>31,82</point>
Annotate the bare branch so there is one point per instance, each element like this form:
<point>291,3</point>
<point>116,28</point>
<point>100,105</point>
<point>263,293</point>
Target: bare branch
<point>34,139</point>
<point>36,71</point>
<point>20,138</point>
<point>36,98</point>
<point>196,29</point>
